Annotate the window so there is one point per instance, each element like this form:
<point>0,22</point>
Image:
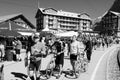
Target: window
<point>84,27</point>
<point>84,24</point>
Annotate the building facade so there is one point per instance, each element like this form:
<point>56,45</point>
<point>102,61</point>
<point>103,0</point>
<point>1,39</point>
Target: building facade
<point>19,19</point>
<point>111,23</point>
<point>61,20</point>
<point>110,20</point>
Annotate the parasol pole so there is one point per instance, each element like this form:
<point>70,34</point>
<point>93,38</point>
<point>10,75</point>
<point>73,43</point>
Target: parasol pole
<point>9,25</point>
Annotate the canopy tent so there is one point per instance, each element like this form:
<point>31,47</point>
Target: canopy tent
<point>10,25</point>
<point>28,33</point>
<point>46,29</point>
<point>9,33</point>
<point>67,34</point>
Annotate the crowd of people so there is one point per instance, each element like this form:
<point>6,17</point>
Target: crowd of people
<point>10,49</point>
<point>76,46</point>
<point>38,47</point>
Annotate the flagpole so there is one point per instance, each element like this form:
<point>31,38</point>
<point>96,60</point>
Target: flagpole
<point>9,25</point>
<point>38,4</point>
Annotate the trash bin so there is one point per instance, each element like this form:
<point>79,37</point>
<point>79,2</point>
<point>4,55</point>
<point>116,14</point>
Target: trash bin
<point>9,55</point>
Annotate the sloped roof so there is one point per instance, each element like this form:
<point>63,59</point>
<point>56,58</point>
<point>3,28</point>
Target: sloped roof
<point>64,13</point>
<point>8,17</point>
<point>16,16</point>
<point>116,13</point>
<point>14,26</point>
<point>116,6</point>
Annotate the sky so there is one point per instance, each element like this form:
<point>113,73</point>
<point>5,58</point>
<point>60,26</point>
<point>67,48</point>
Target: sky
<point>28,8</point>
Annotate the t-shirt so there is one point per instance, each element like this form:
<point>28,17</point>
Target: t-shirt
<point>2,46</point>
<point>76,47</point>
<point>38,47</point>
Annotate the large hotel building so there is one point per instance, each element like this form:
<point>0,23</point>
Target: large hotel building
<point>58,20</point>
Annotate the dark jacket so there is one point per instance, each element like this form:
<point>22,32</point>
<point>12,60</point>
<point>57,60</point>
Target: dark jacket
<point>88,46</point>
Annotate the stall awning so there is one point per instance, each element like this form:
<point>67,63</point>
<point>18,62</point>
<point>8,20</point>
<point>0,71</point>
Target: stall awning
<point>67,34</point>
<point>26,33</point>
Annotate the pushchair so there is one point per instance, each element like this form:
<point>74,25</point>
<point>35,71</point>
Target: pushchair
<point>47,66</point>
<point>81,64</point>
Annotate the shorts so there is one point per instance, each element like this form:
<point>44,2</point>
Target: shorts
<point>35,65</point>
<point>59,59</point>
<point>17,51</point>
<point>73,57</point>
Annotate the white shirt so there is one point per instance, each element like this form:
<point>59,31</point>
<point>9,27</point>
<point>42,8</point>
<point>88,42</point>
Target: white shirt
<point>74,47</point>
<point>77,47</point>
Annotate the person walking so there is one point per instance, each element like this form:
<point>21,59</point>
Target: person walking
<point>59,62</point>
<point>103,44</point>
<point>74,51</point>
<point>30,43</point>
<point>18,49</point>
<point>88,49</point>
<point>2,51</point>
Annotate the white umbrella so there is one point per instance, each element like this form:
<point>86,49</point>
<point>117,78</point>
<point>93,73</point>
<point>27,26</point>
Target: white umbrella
<point>67,34</point>
<point>26,33</point>
<point>46,29</point>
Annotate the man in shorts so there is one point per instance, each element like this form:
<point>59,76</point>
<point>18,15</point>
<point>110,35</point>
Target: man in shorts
<point>88,49</point>
<point>74,51</point>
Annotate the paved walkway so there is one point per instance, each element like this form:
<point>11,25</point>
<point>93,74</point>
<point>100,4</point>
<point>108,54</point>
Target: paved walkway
<point>113,71</point>
<point>99,72</point>
<point>96,69</point>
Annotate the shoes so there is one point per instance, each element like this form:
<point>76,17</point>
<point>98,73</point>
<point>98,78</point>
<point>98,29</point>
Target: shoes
<point>28,78</point>
<point>37,78</point>
<point>32,78</point>
<point>20,59</point>
<point>58,77</point>
<point>76,76</point>
<point>71,74</point>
